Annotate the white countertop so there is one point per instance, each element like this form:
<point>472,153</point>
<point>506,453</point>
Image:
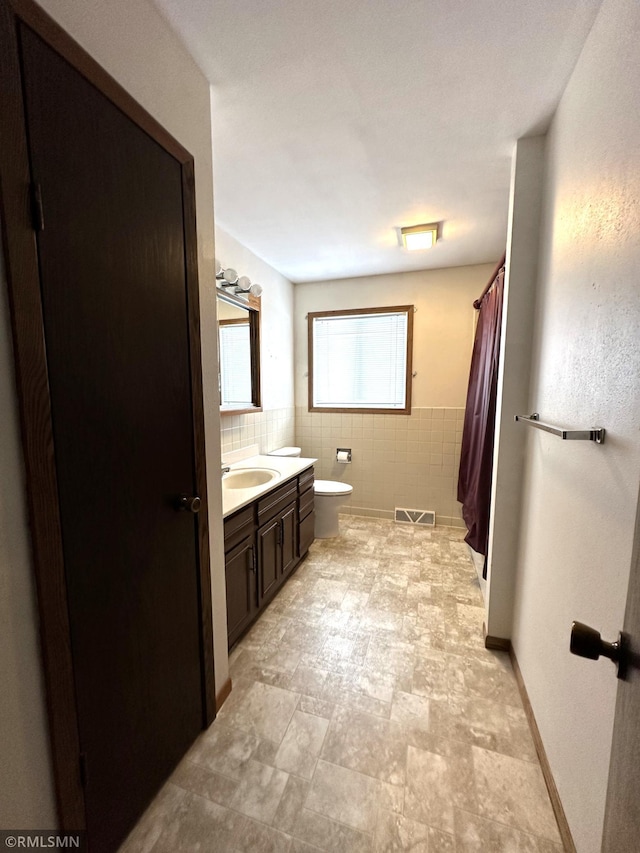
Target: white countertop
<point>286,466</point>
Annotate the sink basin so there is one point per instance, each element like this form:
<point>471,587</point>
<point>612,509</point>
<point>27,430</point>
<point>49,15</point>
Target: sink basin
<point>248,478</point>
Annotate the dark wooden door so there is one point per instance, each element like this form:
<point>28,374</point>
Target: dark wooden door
<point>268,540</point>
<point>289,539</point>
<point>242,588</point>
<point>112,275</point>
<point>622,815</point>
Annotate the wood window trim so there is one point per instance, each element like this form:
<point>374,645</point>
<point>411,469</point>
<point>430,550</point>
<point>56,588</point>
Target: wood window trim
<point>255,310</point>
<point>352,312</point>
<point>34,402</point>
<point>254,332</point>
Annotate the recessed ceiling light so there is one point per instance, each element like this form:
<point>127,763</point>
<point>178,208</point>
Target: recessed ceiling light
<point>419,236</point>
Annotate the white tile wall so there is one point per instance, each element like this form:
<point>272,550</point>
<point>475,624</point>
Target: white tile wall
<point>406,461</point>
<point>398,460</point>
<point>269,430</point>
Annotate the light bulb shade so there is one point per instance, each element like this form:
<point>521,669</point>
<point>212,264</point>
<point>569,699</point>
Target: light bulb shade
<point>255,290</point>
<point>244,282</point>
<point>230,276</point>
<point>218,269</point>
<point>420,236</point>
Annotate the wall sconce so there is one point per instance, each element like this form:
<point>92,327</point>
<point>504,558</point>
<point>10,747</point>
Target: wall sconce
<point>419,236</point>
<point>241,284</point>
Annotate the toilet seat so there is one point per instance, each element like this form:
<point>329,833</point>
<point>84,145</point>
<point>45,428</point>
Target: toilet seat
<point>331,487</point>
<point>286,451</point>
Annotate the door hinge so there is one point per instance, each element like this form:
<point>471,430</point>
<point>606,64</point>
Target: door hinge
<point>37,210</point>
<point>83,769</point>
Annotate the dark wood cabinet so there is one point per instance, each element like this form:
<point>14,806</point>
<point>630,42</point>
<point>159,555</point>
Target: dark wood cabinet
<point>306,514</point>
<point>277,550</point>
<point>306,530</point>
<point>242,599</point>
<point>264,543</point>
<point>240,572</point>
<point>288,539</point>
<point>268,558</point>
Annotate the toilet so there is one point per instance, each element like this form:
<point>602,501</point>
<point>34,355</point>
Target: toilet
<point>328,497</point>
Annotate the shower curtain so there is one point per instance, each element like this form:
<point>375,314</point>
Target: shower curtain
<point>476,458</point>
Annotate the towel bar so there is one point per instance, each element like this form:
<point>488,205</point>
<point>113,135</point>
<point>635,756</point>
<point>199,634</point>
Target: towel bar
<point>595,434</point>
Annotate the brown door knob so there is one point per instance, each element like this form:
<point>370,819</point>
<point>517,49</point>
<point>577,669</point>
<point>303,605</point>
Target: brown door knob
<point>190,503</point>
<point>586,642</point>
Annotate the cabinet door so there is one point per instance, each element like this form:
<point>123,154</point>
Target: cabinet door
<point>306,533</point>
<point>289,538</point>
<point>269,553</point>
<point>242,593</point>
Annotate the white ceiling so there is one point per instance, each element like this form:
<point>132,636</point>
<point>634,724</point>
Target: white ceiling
<point>337,121</point>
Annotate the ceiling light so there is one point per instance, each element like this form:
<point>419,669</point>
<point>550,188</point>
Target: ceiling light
<point>419,236</point>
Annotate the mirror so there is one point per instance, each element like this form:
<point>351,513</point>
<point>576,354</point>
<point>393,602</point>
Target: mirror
<point>239,351</point>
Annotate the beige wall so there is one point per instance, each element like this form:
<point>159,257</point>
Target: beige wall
<point>579,499</point>
<point>398,460</point>
<point>274,426</point>
<point>133,42</point>
<point>443,325</point>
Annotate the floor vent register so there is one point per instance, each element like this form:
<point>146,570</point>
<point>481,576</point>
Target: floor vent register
<point>415,516</point>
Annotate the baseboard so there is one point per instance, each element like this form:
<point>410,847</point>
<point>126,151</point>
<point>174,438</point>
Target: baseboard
<point>498,644</point>
<point>223,694</point>
<point>389,515</point>
<point>554,796</point>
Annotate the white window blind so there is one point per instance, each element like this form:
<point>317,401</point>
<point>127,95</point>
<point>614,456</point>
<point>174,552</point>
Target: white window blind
<point>235,363</point>
<point>360,361</point>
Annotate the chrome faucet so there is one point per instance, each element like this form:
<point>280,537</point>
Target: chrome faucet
<point>225,468</point>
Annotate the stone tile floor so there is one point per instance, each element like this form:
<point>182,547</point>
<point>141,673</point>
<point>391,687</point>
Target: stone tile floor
<point>366,715</point>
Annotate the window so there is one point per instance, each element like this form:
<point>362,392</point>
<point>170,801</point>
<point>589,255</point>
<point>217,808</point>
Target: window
<point>360,361</point>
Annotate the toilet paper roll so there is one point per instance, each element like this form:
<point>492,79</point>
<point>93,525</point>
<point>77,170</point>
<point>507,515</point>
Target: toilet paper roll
<point>343,456</point>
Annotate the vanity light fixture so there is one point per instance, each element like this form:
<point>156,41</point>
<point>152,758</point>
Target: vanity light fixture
<point>227,277</point>
<point>253,289</point>
<point>419,236</point>
<point>242,284</point>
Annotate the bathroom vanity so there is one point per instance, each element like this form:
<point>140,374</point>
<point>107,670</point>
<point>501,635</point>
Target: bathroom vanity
<point>268,528</point>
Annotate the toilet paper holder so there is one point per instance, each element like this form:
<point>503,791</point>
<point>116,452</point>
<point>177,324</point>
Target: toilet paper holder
<point>343,454</point>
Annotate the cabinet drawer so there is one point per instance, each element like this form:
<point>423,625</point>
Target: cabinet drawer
<point>275,501</point>
<point>237,527</point>
<point>305,479</point>
<point>305,503</point>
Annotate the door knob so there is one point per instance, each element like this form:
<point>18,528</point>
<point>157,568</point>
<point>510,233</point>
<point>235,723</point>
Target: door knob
<point>190,503</point>
<point>586,642</point>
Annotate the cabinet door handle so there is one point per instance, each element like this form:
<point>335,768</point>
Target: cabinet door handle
<point>252,564</point>
<point>279,533</point>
